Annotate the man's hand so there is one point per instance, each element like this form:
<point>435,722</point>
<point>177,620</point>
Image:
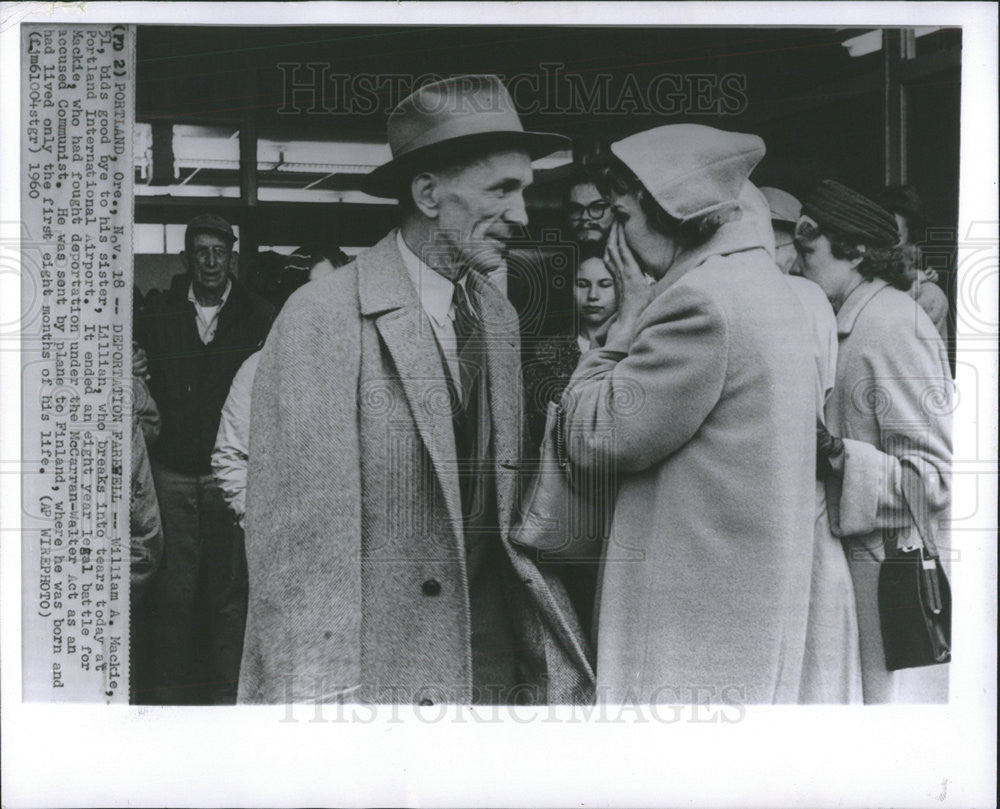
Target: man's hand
<point>632,286</point>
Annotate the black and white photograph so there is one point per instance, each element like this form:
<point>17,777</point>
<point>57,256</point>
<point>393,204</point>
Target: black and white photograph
<point>622,373</point>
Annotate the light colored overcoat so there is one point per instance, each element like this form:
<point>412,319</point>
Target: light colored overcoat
<point>358,583</point>
<point>892,404</point>
<point>831,672</point>
<point>709,420</point>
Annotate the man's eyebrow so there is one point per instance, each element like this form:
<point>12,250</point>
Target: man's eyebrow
<point>509,182</point>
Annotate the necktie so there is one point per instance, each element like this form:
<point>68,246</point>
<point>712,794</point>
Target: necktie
<point>471,419</point>
<point>468,342</point>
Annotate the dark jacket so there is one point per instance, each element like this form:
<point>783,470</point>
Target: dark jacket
<point>190,380</point>
<point>547,371</point>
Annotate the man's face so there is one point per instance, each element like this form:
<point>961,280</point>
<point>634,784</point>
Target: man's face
<point>785,254</point>
<point>589,213</point>
<point>481,208</point>
<point>209,261</point>
<point>903,227</point>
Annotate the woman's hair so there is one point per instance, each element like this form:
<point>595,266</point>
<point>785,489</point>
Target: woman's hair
<point>590,250</point>
<point>905,201</point>
<point>612,176</point>
<point>891,264</point>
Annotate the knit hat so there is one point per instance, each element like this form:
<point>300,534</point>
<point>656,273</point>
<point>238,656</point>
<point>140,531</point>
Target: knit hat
<point>691,170</point>
<point>844,210</point>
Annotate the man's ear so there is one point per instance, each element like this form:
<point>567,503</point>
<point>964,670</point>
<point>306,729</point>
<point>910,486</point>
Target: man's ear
<point>859,257</point>
<point>185,260</point>
<point>424,192</point>
<point>234,260</point>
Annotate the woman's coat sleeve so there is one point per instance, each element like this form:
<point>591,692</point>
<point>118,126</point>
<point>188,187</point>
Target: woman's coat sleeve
<point>634,410</point>
<point>907,388</point>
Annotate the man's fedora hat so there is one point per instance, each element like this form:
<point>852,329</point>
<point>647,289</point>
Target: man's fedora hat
<point>438,116</point>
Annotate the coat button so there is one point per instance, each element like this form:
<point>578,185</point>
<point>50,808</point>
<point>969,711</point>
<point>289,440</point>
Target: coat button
<point>431,587</point>
<point>426,702</point>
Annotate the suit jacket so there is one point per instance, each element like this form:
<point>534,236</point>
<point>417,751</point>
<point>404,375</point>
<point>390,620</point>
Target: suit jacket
<point>357,562</point>
<point>190,380</point>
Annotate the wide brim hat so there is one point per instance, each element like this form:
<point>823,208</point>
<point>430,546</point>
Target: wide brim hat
<point>689,169</point>
<point>439,116</point>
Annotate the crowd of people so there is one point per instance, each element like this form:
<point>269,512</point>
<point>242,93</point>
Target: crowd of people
<point>331,502</point>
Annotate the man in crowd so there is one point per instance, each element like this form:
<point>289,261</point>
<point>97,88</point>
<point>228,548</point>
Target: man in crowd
<point>785,211</point>
<point>195,336</point>
<point>903,202</point>
<point>387,433</point>
<point>588,213</point>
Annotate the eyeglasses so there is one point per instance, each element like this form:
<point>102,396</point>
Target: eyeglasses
<point>595,210</point>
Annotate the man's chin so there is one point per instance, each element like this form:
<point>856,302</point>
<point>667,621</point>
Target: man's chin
<point>485,261</point>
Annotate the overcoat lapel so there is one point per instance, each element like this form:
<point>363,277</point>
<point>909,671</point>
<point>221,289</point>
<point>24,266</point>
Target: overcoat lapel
<point>503,350</point>
<point>388,297</point>
<point>502,338</point>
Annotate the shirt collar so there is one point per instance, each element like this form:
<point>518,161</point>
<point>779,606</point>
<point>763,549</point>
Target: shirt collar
<point>222,300</point>
<point>856,301</point>
<point>434,290</point>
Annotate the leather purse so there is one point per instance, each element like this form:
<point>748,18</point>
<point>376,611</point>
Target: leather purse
<point>914,597</point>
<point>566,515</point>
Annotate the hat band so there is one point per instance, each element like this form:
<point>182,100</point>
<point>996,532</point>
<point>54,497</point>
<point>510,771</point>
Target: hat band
<point>482,123</point>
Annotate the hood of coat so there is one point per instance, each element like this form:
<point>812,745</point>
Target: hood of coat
<point>743,234</point>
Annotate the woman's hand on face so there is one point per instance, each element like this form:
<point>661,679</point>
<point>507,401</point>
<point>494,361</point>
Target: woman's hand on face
<point>634,291</point>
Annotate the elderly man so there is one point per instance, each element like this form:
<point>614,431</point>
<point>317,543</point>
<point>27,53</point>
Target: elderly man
<point>196,335</point>
<point>386,433</point>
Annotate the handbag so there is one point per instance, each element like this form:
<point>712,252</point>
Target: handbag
<point>566,514</point>
<point>914,597</point>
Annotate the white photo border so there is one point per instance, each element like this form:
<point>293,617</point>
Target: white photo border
<point>939,756</point>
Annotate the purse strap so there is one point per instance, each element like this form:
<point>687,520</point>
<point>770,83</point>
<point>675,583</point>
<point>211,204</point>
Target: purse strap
<point>913,493</point>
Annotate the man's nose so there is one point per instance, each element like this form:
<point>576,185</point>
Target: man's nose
<point>210,260</point>
<point>517,212</point>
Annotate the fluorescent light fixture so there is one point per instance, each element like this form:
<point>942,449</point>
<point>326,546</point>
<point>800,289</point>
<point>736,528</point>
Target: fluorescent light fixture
<point>871,41</point>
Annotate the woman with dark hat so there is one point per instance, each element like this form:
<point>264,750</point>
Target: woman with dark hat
<point>703,400</point>
<point>889,411</point>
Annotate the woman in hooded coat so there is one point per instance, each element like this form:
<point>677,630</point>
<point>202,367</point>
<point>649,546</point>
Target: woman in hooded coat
<point>702,403</point>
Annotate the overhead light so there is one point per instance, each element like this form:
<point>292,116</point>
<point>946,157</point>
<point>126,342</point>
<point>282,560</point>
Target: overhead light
<point>864,44</point>
<point>871,41</point>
